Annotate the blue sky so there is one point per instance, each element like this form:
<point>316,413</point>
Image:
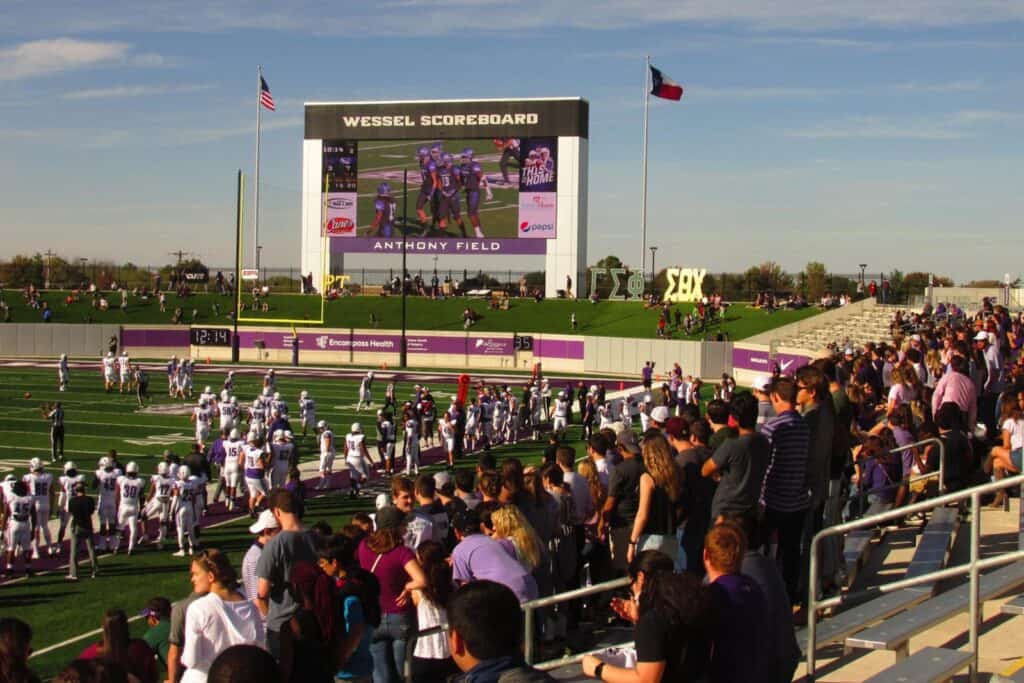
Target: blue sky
<point>846,132</point>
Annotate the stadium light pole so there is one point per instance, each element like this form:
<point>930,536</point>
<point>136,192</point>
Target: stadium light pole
<point>405,233</point>
<point>653,271</point>
<point>238,265</point>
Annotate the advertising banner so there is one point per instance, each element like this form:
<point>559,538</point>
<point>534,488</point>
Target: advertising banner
<point>474,345</point>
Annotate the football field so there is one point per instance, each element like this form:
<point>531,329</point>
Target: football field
<point>64,615</point>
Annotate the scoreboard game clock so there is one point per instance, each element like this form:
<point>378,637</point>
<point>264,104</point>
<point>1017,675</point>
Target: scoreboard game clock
<point>210,336</point>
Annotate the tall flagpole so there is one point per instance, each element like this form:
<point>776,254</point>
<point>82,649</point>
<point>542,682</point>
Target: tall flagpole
<point>256,202</point>
<point>643,200</point>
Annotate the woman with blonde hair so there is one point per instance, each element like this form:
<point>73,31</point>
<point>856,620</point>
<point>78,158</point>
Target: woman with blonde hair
<point>661,487</point>
<point>221,618</point>
<point>512,527</point>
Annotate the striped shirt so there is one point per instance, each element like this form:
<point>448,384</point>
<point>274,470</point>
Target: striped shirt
<point>57,416</point>
<point>785,481</point>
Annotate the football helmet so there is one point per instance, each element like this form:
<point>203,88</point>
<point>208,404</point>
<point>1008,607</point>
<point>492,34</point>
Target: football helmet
<point>131,468</point>
<point>184,473</point>
<point>161,469</point>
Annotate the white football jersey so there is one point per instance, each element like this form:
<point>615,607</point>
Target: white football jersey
<point>307,408</point>
<point>354,444</point>
<point>67,487</point>
<point>107,484</point>
<point>39,486</point>
<point>253,458</point>
<point>130,489</point>
<point>20,509</point>
<point>325,448</point>
<point>233,449</point>
<point>162,486</point>
<point>108,366</point>
<point>203,416</point>
<point>187,490</point>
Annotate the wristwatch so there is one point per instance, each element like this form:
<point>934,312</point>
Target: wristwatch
<point>598,670</point>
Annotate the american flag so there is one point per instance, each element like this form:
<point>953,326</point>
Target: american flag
<point>266,99</point>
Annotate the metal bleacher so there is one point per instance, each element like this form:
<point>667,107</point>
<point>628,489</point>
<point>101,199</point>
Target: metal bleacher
<point>911,606</point>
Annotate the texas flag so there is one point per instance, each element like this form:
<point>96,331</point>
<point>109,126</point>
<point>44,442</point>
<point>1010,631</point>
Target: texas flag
<point>664,87</point>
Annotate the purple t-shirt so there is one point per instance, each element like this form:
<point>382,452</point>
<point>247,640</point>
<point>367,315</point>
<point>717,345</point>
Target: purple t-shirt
<point>481,557</point>
<point>391,574</point>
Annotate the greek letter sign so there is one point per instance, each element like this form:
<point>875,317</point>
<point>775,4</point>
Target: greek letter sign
<point>684,284</point>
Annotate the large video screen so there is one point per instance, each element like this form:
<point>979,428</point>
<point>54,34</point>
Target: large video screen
<point>464,195</point>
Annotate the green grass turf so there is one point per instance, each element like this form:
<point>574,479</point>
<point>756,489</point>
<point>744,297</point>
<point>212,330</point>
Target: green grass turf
<point>96,422</point>
<point>386,161</point>
<point>607,318</point>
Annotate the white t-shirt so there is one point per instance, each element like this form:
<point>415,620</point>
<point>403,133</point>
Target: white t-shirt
<point>213,625</point>
<point>1016,429</point>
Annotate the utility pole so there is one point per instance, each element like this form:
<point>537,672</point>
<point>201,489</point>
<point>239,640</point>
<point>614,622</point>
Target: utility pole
<point>49,268</point>
<point>181,255</point>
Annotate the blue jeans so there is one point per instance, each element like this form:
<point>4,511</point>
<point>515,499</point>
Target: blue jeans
<point>388,646</point>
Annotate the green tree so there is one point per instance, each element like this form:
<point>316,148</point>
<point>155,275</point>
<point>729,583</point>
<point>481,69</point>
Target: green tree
<point>814,285</point>
<point>609,261</point>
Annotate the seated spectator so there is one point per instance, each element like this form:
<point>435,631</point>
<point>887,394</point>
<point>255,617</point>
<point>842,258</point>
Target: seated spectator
<point>671,613</point>
<point>118,647</point>
<point>244,664</point>
<point>485,634</point>
<point>158,618</point>
<point>480,557</point>
<point>15,648</point>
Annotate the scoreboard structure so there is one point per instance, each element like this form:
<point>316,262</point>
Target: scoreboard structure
<point>486,178</point>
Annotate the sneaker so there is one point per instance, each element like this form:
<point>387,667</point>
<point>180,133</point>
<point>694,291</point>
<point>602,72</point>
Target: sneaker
<point>93,575</point>
<point>70,578</point>
<point>180,553</point>
<point>35,554</point>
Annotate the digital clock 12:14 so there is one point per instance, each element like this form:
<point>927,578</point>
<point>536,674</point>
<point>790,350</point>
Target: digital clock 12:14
<point>210,336</point>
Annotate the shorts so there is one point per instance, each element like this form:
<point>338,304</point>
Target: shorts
<point>125,515</point>
<point>357,464</point>
<point>619,540</point>
<point>473,202</point>
<point>449,444</point>
<point>231,476</point>
<point>110,377</point>
<point>449,207</point>
<point>159,508</point>
<point>255,486</point>
<point>326,462</point>
<point>1016,457</point>
<point>422,198</point>
<point>108,513</point>
<point>19,536</point>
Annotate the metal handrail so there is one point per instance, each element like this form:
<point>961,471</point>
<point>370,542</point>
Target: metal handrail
<point>972,568</point>
<point>528,608</point>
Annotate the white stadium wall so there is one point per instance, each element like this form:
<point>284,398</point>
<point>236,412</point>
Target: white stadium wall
<point>567,252</point>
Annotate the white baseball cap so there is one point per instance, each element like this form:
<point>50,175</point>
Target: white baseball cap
<point>265,521</point>
<point>660,414</point>
<point>761,383</point>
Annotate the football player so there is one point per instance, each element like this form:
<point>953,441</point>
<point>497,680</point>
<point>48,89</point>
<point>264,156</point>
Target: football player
<point>67,482</point>
<point>450,180</point>
<point>159,505</point>
<point>40,487</point>
<point>21,521</point>
<point>124,373</point>
<point>202,416</point>
<point>229,383</point>
<point>386,444</point>
<point>233,449</point>
<point>509,155</point>
<point>446,432</point>
<point>228,410</point>
<point>428,178</point>
<point>254,462</point>
<point>327,453</point>
<point>184,493</point>
<point>356,456</point>
<point>63,372</point>
<point>473,180</point>
<point>130,488</point>
<point>105,480</point>
<point>366,391</point>
<point>172,376</point>
<point>109,371</point>
<point>307,411</point>
<point>282,454</point>
<point>384,212</point>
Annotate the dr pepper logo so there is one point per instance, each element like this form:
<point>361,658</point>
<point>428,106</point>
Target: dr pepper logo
<point>341,226</point>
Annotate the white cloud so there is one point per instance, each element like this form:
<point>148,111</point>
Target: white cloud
<point>128,91</point>
<point>46,57</point>
<point>954,126</point>
<point>445,17</point>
